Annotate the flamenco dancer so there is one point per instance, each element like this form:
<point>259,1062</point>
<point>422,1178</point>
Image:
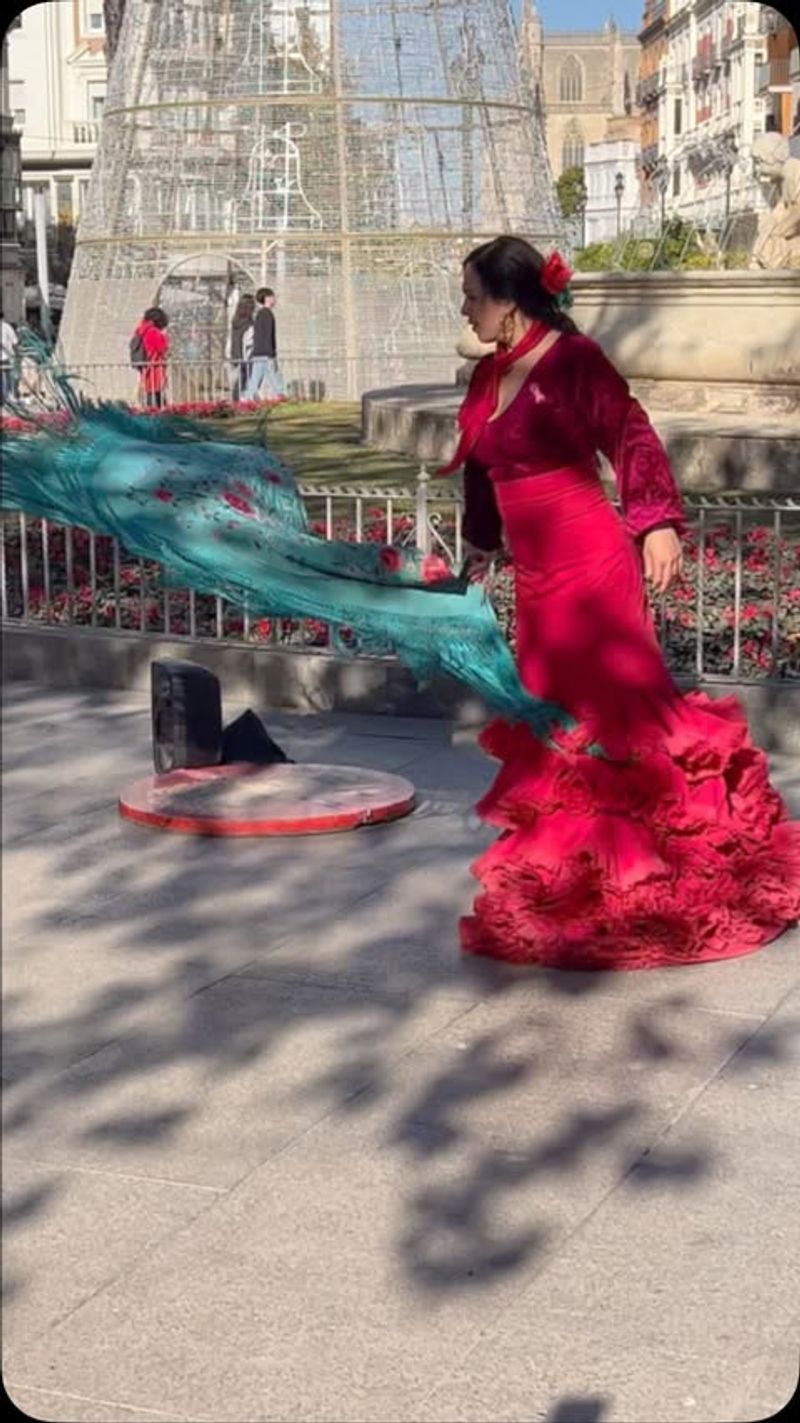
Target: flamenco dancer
<point>672,848</point>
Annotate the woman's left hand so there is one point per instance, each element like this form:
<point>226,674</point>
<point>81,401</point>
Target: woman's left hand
<point>663,560</point>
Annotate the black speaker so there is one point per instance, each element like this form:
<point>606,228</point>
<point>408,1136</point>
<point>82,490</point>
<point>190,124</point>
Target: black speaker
<point>187,715</point>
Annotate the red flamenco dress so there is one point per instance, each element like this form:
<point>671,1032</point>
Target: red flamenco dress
<point>674,848</point>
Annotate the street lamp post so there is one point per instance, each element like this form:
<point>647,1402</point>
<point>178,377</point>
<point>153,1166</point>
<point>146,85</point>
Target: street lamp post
<point>729,156</point>
<point>580,208</point>
<point>619,189</point>
<point>661,180</point>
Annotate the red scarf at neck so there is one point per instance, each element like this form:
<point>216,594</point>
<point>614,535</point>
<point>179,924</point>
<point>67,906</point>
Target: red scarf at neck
<point>480,401</point>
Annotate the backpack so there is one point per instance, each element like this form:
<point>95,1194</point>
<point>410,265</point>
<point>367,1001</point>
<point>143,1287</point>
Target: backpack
<point>138,355</point>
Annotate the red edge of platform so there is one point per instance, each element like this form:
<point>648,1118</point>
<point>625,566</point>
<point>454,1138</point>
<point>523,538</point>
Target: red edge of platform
<point>216,826</point>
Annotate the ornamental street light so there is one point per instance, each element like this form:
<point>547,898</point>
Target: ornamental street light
<point>661,181</point>
<point>619,189</point>
<point>580,207</point>
<point>728,156</point>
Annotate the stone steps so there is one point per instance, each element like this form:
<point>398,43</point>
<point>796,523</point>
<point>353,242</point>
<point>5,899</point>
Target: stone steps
<point>710,449</point>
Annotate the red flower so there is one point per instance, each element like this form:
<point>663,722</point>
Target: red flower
<point>390,559</point>
<point>555,274</point>
<point>165,495</point>
<point>274,479</point>
<point>236,502</point>
<point>434,568</point>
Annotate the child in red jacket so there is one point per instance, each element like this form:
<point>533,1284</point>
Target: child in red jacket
<point>152,342</point>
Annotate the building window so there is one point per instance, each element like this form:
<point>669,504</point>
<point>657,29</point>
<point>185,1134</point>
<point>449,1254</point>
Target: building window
<point>676,180</point>
<point>572,149</point>
<point>93,22</point>
<point>570,87</point>
<point>64,209</point>
<point>19,118</point>
<point>678,117</point>
<point>95,101</point>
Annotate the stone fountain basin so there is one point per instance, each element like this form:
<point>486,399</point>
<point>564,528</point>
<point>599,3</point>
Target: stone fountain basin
<point>713,356</point>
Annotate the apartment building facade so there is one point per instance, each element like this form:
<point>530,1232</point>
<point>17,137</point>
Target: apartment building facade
<point>710,108</point>
<point>57,85</point>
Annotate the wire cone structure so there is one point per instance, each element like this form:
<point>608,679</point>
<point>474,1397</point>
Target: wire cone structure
<point>346,153</point>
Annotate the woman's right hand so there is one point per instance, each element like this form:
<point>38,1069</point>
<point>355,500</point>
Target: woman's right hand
<point>478,562</point>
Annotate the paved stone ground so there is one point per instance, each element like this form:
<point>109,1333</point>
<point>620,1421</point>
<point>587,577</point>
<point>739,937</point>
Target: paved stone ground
<point>274,1151</point>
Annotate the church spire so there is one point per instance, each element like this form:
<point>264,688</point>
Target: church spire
<point>531,40</point>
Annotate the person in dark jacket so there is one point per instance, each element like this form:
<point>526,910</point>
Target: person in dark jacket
<point>241,332</point>
<point>264,371</point>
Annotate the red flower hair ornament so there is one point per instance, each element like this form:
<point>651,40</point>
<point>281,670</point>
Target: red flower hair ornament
<point>555,276</point>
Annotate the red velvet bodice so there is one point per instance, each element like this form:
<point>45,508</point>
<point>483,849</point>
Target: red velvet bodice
<point>573,403</point>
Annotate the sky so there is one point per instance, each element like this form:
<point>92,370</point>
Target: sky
<point>588,14</point>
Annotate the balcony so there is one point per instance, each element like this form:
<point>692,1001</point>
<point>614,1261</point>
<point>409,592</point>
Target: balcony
<point>647,90</point>
<point>774,75</point>
<point>85,133</point>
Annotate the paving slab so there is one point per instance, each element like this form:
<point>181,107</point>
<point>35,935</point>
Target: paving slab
<point>677,1300</point>
<point>69,1408</point>
<point>67,1234</point>
<point>204,1089</point>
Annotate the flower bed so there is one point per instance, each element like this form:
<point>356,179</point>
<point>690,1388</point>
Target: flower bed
<point>214,410</point>
<point>143,603</point>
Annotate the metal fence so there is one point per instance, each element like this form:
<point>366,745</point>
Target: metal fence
<point>199,381</point>
<point>735,617</point>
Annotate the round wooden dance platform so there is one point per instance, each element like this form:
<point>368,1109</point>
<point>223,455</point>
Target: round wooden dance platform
<point>284,799</point>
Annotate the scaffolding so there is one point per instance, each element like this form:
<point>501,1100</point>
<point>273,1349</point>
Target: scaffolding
<point>347,153</point>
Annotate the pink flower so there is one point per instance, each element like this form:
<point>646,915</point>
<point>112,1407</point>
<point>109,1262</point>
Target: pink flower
<point>165,495</point>
<point>434,568</point>
<point>390,559</point>
<point>236,502</point>
<point>274,479</point>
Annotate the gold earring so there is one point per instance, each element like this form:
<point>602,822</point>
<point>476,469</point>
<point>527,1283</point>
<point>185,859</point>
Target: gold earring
<point>506,336</point>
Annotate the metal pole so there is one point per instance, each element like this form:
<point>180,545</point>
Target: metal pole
<point>42,271</point>
<point>348,309</point>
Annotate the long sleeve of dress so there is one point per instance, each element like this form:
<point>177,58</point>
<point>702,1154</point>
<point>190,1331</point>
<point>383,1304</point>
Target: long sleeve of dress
<point>481,525</point>
<point>621,429</point>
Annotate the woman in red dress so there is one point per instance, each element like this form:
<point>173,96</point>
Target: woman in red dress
<point>672,848</point>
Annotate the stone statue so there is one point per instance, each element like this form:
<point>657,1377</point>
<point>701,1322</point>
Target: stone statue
<point>777,241</point>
